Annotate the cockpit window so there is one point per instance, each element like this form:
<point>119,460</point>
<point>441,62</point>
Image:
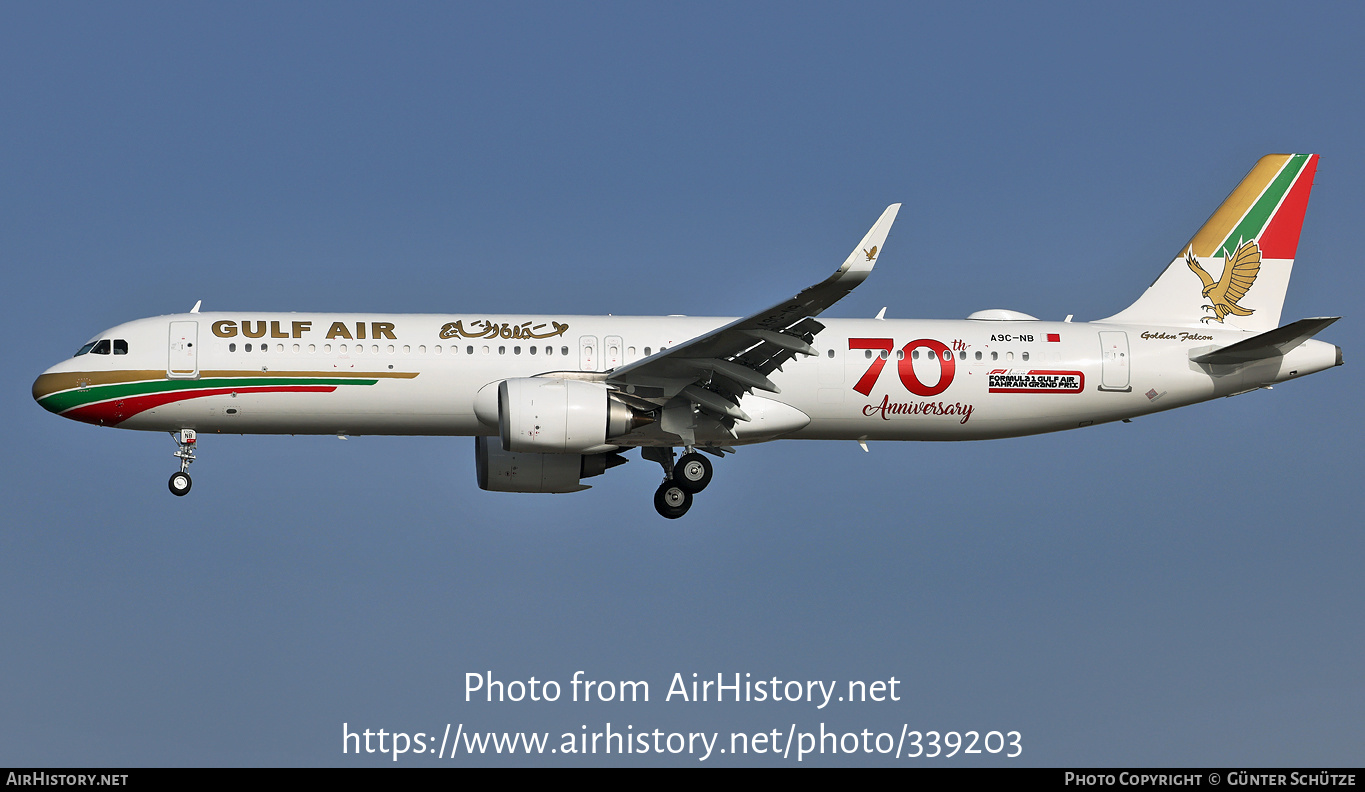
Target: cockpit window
<point>101,348</point>
<point>120,346</point>
<point>85,349</point>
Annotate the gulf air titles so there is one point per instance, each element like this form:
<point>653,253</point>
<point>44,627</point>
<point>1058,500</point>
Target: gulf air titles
<point>554,400</point>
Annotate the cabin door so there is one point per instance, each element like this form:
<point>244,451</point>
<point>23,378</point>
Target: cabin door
<point>183,359</point>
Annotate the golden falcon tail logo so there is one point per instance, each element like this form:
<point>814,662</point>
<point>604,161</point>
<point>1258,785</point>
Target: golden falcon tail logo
<point>871,254</point>
<point>1239,273</point>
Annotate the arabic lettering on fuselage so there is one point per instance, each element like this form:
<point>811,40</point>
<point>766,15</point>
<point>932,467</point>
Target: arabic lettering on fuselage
<point>482,328</point>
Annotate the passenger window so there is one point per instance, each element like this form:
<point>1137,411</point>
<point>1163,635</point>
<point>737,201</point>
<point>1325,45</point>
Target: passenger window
<point>995,356</point>
<point>120,346</point>
<point>102,348</point>
<point>563,350</point>
<point>962,355</point>
<point>978,355</point>
<point>85,349</point>
<point>1024,356</point>
<point>1009,356</point>
<point>469,350</point>
<point>867,353</point>
<point>502,350</point>
<point>647,352</point>
<point>532,350</point>
<point>247,347</point>
<point>885,354</point>
<point>232,347</point>
<point>516,350</point>
<point>914,353</point>
<point>831,354</point>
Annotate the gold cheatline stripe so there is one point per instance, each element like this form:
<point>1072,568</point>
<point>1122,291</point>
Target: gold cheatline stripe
<point>83,379</point>
<point>1236,205</point>
<point>336,373</point>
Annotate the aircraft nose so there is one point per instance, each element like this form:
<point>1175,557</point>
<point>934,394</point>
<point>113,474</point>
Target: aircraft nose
<point>44,387</point>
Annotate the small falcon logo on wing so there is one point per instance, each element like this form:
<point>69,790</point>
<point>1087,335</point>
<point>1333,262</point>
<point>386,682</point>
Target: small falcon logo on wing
<point>871,254</point>
<point>1239,272</point>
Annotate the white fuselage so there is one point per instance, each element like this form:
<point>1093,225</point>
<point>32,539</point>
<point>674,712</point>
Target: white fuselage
<point>419,374</point>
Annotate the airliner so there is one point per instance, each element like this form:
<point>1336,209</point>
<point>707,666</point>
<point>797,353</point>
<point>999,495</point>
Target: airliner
<point>552,400</point>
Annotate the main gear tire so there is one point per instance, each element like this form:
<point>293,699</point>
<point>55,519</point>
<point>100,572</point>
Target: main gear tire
<point>671,500</point>
<point>693,472</point>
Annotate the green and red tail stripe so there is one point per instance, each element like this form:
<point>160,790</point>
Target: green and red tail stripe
<point>1268,205</point>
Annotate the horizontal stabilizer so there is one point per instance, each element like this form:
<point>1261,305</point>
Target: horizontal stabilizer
<point>1268,344</point>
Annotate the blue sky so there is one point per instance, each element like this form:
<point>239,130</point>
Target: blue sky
<point>1181,590</point>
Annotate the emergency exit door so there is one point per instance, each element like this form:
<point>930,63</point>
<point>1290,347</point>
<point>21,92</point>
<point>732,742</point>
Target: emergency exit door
<point>588,353</point>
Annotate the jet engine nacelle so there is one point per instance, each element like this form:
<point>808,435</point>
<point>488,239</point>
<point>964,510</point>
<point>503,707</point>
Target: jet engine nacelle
<point>510,471</point>
<point>561,416</point>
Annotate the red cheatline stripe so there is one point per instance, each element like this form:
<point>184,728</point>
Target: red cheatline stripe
<point>114,411</point>
<point>1281,239</point>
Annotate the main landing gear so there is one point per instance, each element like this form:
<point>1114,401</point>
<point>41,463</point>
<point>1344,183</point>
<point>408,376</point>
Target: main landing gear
<point>689,476</point>
<point>180,482</point>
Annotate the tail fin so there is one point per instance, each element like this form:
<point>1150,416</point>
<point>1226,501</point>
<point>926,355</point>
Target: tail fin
<point>1250,242</point>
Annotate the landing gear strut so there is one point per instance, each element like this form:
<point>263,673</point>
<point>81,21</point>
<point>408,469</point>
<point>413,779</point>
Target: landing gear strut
<point>185,440</point>
<point>689,476</point>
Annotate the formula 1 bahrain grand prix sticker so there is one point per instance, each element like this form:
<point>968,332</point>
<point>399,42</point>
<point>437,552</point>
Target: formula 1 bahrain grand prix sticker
<point>1035,381</point>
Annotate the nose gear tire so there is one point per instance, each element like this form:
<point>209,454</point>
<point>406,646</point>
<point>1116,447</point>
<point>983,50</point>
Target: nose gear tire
<point>180,483</point>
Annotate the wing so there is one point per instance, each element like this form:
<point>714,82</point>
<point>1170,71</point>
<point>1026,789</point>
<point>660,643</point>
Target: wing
<point>1239,273</point>
<point>714,370</point>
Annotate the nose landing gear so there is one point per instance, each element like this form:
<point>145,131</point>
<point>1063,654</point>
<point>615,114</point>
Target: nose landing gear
<point>689,476</point>
<point>185,440</point>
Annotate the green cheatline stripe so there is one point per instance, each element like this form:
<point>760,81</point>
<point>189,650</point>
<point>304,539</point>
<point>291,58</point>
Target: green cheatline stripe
<point>61,402</point>
<point>1255,221</point>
